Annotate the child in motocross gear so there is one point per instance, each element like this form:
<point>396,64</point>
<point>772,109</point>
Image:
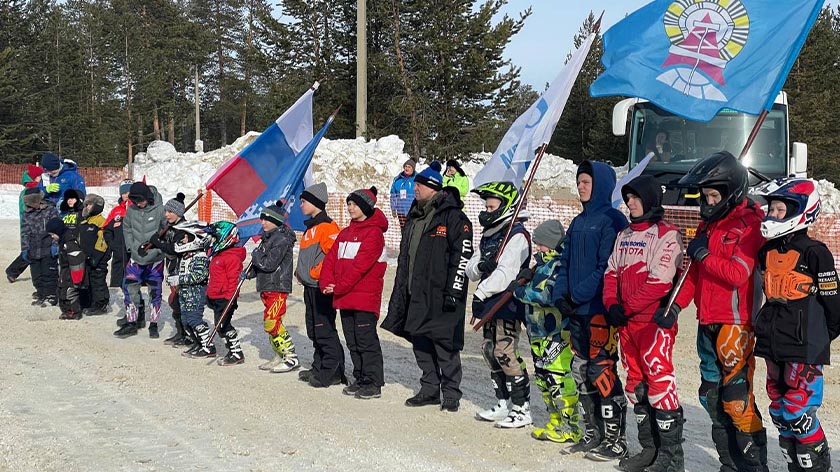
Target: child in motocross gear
<point>70,209</point>
<point>578,294</point>
<point>96,297</point>
<point>494,269</point>
<point>226,258</point>
<point>71,269</point>
<point>37,247</point>
<point>143,219</point>
<point>191,243</point>
<point>722,284</point>
<point>551,347</point>
<point>271,265</point>
<point>354,273</point>
<point>639,277</point>
<point>173,211</point>
<point>797,323</point>
<point>317,241</point>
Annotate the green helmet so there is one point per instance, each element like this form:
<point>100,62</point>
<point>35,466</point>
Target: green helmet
<point>507,192</point>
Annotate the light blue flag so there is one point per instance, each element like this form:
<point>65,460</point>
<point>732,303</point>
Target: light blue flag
<point>694,58</point>
<point>617,198</point>
<point>286,188</point>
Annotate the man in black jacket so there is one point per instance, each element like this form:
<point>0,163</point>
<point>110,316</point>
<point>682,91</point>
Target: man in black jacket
<point>428,302</point>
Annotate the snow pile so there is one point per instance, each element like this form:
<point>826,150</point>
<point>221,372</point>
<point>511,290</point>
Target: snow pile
<point>172,171</point>
<point>343,164</point>
<point>829,197</point>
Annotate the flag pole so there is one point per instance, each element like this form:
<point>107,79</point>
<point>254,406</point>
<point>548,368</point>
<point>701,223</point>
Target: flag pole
<point>508,294</point>
<point>596,29</point>
<point>750,141</point>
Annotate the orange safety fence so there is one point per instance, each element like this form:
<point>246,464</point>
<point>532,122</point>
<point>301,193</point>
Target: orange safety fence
<point>826,229</point>
<point>94,176</point>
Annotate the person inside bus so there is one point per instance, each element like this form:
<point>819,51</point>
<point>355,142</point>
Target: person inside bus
<point>660,146</point>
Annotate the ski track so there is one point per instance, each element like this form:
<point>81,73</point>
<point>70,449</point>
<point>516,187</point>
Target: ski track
<point>75,398</point>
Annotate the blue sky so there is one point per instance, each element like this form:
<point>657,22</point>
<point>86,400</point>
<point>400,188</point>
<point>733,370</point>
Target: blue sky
<point>548,35</point>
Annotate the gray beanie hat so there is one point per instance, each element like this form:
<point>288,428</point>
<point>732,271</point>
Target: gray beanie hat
<point>317,195</point>
<point>549,233</point>
<point>176,205</point>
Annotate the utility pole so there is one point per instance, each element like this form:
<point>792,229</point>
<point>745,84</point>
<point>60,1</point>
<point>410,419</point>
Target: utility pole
<point>361,68</point>
<point>199,146</point>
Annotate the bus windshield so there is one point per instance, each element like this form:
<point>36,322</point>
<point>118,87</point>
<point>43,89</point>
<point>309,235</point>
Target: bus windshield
<point>678,144</point>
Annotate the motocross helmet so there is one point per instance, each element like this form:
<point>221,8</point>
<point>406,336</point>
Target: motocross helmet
<point>225,234</point>
<point>723,172</point>
<point>197,237</point>
<point>802,199</point>
<point>504,191</point>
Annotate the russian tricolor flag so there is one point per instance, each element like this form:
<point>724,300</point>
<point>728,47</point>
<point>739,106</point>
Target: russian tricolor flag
<point>242,179</point>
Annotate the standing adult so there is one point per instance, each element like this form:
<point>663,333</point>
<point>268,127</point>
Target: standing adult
<point>60,175</point>
<point>402,192</point>
<point>143,219</point>
<point>428,301</point>
<point>456,177</point>
<point>722,285</point>
<point>30,179</point>
<point>112,231</point>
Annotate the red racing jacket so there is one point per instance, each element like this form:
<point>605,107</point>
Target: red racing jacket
<point>723,284</point>
<point>225,267</point>
<point>641,270</point>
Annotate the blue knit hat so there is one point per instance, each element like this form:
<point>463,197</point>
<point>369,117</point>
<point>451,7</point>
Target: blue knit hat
<point>430,177</point>
<point>50,162</point>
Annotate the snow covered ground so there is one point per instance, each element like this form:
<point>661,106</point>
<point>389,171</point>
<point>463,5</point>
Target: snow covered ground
<point>75,398</point>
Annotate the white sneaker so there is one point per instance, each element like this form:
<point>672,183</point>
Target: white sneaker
<point>289,364</point>
<point>274,362</point>
<point>497,413</point>
<point>519,417</point>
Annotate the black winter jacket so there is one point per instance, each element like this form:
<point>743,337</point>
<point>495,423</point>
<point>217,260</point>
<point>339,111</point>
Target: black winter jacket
<point>272,261</point>
<point>802,312</point>
<point>439,271</point>
<point>34,237</point>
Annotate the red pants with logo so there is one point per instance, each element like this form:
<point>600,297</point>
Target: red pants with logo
<point>275,308</point>
<point>646,353</point>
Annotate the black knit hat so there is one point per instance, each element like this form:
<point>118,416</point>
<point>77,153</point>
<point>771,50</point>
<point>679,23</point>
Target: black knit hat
<point>649,191</point>
<point>365,199</point>
<point>273,213</point>
<point>140,192</point>
<point>455,165</point>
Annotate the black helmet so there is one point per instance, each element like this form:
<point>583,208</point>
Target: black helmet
<point>724,173</point>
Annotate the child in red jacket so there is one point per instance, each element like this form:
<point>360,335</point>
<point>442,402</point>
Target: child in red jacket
<point>354,273</point>
<point>226,260</point>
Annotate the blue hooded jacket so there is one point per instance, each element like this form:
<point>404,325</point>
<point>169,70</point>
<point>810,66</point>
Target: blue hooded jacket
<point>402,193</point>
<point>589,243</point>
<point>69,177</point>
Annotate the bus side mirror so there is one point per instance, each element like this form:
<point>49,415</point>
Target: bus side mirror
<point>799,160</point>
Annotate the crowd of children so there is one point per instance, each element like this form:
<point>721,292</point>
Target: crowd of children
<point>601,291</point>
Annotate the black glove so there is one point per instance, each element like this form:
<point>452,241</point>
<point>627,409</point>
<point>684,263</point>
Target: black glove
<point>449,303</point>
<point>698,248</point>
<point>526,274</point>
<point>616,316</point>
<point>667,320</point>
<point>487,267</point>
<point>566,307</point>
<point>477,307</point>
<point>141,251</point>
<point>155,242</point>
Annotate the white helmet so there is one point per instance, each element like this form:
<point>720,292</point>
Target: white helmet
<point>802,199</point>
<point>197,237</point>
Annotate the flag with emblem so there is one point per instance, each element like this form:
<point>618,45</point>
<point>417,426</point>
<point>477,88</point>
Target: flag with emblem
<point>695,58</point>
